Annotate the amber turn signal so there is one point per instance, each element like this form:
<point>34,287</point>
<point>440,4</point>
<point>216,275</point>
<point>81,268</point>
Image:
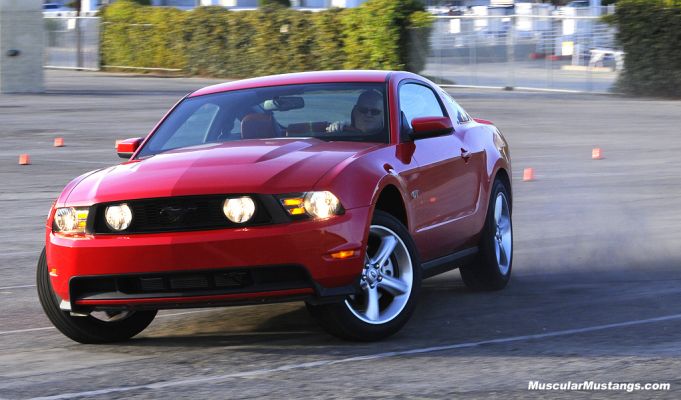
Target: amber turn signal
<point>339,255</point>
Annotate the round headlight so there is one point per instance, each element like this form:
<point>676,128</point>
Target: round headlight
<point>239,210</point>
<point>118,217</point>
<point>66,219</point>
<point>321,204</point>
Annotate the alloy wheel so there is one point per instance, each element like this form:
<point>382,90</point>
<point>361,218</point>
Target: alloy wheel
<point>503,243</point>
<point>387,278</point>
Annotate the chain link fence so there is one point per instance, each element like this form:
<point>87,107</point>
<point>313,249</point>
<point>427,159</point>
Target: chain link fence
<point>72,42</point>
<point>553,52</point>
<point>557,52</point>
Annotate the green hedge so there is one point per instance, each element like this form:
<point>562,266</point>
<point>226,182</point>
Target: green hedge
<point>650,33</point>
<point>212,41</point>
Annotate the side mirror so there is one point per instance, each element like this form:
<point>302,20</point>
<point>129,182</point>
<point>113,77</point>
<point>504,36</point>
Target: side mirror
<point>424,127</point>
<point>126,148</point>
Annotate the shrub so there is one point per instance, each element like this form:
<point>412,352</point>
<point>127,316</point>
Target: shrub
<point>384,34</point>
<point>213,41</point>
<point>328,48</point>
<point>650,34</point>
<point>266,3</point>
<point>283,3</point>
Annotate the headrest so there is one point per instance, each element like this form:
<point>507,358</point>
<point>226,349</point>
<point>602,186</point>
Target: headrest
<point>257,126</point>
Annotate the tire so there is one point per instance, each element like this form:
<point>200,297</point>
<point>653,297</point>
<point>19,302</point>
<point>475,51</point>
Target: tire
<point>91,329</point>
<point>492,268</point>
<point>389,292</point>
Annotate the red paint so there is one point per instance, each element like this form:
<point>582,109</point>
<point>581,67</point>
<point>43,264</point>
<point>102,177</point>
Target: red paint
<point>432,124</point>
<point>128,145</point>
<point>294,79</point>
<point>447,214</point>
<point>483,121</point>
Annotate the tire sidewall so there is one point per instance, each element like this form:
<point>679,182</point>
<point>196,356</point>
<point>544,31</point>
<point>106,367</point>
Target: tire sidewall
<point>356,328</point>
<point>487,246</point>
<point>85,329</point>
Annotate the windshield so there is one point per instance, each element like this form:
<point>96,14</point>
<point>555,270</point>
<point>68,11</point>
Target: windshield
<point>329,111</point>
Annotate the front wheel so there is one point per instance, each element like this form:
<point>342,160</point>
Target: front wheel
<point>492,269</point>
<point>389,284</point>
<point>97,327</point>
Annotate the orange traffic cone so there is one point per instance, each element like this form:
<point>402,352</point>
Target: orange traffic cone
<point>24,159</point>
<point>596,154</point>
<point>58,142</point>
<point>528,174</point>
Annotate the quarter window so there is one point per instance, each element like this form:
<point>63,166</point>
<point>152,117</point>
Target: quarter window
<point>461,114</point>
<point>419,101</point>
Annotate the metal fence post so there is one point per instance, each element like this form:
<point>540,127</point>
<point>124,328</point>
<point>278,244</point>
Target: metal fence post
<point>440,58</point>
<point>510,53</point>
<point>79,45</point>
<point>474,58</point>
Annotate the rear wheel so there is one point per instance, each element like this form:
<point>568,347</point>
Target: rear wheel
<point>492,268</point>
<point>389,285</point>
<point>96,327</point>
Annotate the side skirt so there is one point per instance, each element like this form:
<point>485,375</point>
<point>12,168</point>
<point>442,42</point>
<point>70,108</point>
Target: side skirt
<point>448,262</point>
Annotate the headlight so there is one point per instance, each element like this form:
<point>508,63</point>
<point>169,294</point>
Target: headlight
<point>71,219</point>
<point>316,204</point>
<point>118,217</point>
<point>239,210</point>
<point>321,204</point>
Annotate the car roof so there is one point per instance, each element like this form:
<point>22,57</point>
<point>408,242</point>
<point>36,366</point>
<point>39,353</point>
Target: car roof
<point>297,78</point>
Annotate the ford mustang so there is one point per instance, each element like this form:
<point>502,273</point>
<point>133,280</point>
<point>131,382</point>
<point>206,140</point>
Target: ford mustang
<point>342,189</point>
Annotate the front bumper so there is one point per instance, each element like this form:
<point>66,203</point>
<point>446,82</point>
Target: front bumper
<point>306,245</point>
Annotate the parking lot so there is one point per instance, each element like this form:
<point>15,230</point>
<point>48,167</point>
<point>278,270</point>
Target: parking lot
<point>595,293</point>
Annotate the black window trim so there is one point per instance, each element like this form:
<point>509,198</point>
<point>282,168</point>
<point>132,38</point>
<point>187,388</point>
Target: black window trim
<point>469,118</point>
<point>407,81</point>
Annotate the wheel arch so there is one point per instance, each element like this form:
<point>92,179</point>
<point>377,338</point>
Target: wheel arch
<point>503,175</point>
<point>390,200</point>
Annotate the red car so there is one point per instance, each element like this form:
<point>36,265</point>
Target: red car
<point>343,189</point>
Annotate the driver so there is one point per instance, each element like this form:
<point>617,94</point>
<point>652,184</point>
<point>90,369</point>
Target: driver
<point>366,115</point>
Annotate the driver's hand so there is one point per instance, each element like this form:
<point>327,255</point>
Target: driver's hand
<point>335,127</point>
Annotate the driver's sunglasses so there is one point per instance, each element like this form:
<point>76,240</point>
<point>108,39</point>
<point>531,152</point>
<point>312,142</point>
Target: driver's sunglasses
<point>366,110</point>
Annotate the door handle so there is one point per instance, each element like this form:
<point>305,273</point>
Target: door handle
<point>465,154</point>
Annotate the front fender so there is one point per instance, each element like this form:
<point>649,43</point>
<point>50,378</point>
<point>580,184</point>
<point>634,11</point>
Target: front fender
<point>62,199</point>
<point>358,181</point>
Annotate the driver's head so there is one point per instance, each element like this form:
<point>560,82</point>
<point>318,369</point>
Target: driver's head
<point>367,114</point>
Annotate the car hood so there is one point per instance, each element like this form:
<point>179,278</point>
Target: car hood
<point>247,166</point>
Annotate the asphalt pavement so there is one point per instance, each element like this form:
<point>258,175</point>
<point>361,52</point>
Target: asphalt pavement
<point>595,293</point>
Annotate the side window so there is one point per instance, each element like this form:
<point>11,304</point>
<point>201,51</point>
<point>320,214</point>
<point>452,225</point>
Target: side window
<point>195,129</point>
<point>461,115</point>
<point>419,101</point>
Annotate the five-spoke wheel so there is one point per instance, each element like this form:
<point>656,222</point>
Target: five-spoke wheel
<point>388,286</point>
<point>386,280</point>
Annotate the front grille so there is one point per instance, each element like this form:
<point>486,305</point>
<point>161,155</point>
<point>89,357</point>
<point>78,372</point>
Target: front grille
<point>179,214</point>
<point>195,283</point>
